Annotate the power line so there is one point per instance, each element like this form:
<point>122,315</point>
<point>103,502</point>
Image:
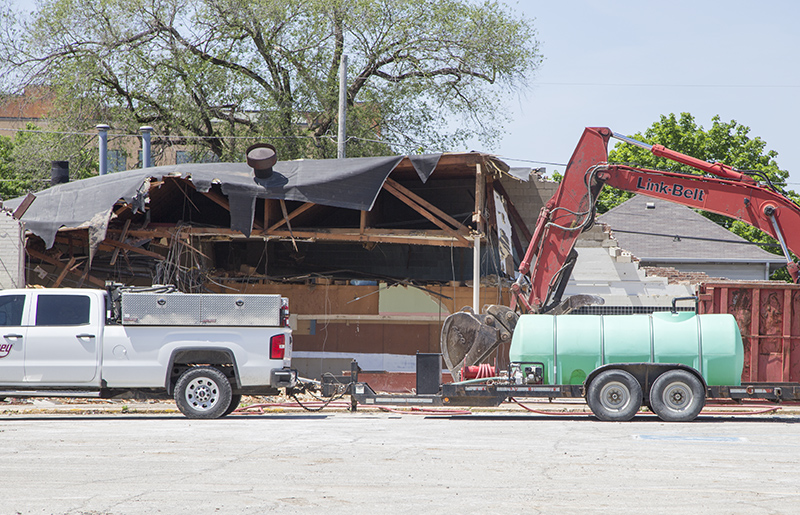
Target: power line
<point>654,85</point>
<point>504,158</point>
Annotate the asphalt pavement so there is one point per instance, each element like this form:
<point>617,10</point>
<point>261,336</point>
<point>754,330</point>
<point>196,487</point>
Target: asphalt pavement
<point>91,460</point>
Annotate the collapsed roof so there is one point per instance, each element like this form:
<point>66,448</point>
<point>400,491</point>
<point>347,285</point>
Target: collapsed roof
<point>352,183</point>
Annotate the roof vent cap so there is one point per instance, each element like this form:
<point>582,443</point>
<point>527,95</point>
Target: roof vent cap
<point>261,157</point>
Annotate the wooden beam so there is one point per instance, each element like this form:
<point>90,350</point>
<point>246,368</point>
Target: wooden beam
<point>122,239</point>
<point>131,248</point>
<point>53,261</point>
<point>23,206</point>
<point>67,268</point>
<point>440,240</point>
<point>150,232</point>
<point>290,216</point>
<point>391,188</point>
<point>430,207</point>
<point>480,194</point>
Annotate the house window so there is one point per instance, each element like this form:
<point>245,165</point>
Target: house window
<point>117,161</point>
<point>141,158</point>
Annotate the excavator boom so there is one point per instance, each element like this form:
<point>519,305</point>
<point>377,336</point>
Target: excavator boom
<point>467,337</point>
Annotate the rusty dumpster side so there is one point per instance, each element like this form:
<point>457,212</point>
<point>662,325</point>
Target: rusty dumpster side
<point>768,314</point>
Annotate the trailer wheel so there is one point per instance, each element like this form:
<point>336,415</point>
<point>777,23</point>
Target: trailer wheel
<point>677,396</point>
<point>614,395</point>
<point>203,392</point>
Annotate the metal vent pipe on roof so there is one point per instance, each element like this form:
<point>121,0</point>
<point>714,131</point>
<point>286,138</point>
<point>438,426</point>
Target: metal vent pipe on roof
<point>261,157</point>
<point>102,143</point>
<point>146,151</point>
<point>59,172</point>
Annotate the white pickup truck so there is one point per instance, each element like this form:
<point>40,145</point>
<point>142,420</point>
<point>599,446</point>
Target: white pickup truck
<point>206,350</point>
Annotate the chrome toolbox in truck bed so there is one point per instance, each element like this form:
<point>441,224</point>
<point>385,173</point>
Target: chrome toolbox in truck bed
<point>200,309</point>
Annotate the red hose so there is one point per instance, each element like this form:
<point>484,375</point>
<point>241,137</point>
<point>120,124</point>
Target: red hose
<point>413,410</point>
<point>767,409</point>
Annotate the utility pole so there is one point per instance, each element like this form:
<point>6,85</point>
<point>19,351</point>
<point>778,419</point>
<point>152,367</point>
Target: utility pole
<point>340,147</point>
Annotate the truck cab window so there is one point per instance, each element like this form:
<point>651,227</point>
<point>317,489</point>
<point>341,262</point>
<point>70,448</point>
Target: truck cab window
<point>62,310</point>
<point>11,310</point>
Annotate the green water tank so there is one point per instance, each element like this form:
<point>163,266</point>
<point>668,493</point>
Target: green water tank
<point>570,347</point>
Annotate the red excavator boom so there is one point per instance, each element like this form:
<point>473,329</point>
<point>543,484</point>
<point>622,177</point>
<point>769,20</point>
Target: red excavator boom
<point>548,262</point>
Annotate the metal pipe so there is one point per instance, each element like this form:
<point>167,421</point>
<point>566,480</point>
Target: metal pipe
<point>476,247</point>
<point>632,141</point>
<point>770,212</point>
<point>102,134</point>
<point>476,273</point>
<point>342,132</point>
<point>146,152</point>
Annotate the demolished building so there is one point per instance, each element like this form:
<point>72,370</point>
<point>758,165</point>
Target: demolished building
<point>373,253</point>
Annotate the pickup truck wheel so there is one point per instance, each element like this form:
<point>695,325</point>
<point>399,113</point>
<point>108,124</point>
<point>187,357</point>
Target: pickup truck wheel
<point>236,398</point>
<point>203,392</point>
<point>615,396</point>
<point>677,396</point>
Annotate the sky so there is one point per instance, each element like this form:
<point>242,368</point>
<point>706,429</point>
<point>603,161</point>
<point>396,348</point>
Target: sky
<point>623,63</point>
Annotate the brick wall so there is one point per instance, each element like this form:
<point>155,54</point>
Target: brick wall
<point>675,276</point>
<point>529,197</point>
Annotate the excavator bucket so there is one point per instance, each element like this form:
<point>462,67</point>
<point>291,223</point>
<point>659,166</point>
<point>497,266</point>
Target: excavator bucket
<point>468,338</point>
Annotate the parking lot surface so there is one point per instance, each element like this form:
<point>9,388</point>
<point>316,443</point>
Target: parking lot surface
<point>373,462</point>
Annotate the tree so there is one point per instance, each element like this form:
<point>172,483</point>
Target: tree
<point>25,161</point>
<point>726,142</point>
<point>235,71</point>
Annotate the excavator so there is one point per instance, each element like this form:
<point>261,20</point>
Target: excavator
<point>469,338</point>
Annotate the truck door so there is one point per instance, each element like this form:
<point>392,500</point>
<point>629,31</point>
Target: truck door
<point>12,338</point>
<point>62,339</point>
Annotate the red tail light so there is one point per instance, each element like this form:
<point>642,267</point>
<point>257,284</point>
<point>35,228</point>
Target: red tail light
<point>277,346</point>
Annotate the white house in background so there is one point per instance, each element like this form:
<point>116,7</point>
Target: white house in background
<point>665,234</point>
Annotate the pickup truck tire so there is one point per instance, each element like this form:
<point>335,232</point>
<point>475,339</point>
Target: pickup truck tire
<point>677,396</point>
<point>614,396</point>
<point>236,398</point>
<point>203,392</point>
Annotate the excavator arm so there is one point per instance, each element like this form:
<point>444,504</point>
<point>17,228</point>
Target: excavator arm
<point>467,338</point>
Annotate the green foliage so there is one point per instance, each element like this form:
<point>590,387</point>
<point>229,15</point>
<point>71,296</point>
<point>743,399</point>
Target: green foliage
<point>10,186</point>
<point>237,71</point>
<point>25,160</point>
<point>726,142</point>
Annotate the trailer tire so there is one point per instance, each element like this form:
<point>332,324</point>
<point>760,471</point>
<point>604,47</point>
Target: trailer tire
<point>614,396</point>
<point>677,396</point>
<point>203,392</point>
